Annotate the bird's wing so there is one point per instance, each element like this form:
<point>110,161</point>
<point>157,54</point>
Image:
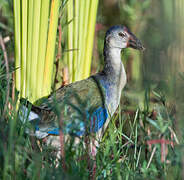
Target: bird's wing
<point>75,103</point>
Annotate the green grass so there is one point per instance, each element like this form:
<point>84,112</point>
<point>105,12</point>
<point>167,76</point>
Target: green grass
<point>123,153</point>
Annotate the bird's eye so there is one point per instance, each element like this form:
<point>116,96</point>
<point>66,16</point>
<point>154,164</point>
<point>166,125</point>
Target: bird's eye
<point>122,34</point>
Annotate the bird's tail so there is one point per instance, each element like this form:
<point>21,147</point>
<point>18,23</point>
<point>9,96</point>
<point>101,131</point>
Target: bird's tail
<point>29,118</point>
<point>32,121</point>
<point>25,112</point>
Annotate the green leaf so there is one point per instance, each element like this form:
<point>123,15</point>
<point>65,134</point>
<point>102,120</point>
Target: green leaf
<point>153,122</point>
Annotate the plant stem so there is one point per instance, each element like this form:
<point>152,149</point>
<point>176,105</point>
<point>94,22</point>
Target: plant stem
<point>70,36</point>
<point>35,45</point>
<point>81,38</point>
<point>24,47</point>
<point>49,60</point>
<point>17,29</point>
<point>29,46</point>
<point>84,38</point>
<point>7,75</point>
<point>75,38</point>
<point>42,45</point>
<point>91,29</point>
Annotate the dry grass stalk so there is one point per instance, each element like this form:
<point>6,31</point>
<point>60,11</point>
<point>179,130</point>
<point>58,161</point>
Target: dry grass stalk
<point>7,73</point>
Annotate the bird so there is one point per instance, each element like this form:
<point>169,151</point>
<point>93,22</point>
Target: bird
<point>85,107</point>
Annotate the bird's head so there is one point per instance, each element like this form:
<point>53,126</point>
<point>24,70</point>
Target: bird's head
<point>121,37</point>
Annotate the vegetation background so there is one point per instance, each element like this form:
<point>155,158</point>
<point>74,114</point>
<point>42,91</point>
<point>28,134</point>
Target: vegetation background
<point>145,137</point>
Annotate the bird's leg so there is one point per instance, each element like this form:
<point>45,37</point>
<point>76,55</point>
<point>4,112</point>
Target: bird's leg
<point>62,142</point>
<point>93,151</point>
<point>54,142</point>
<point>93,148</point>
<point>62,151</point>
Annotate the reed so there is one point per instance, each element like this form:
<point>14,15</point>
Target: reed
<point>29,46</point>
<point>35,44</point>
<point>49,60</point>
<point>70,36</point>
<point>24,46</point>
<point>17,30</point>
<point>90,36</point>
<point>35,38</point>
<point>81,16</point>
<point>42,46</point>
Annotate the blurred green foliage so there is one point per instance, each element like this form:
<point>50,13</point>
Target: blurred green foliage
<point>6,16</point>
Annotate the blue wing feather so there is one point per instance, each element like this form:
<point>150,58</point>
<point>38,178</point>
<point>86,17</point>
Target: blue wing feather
<point>97,120</point>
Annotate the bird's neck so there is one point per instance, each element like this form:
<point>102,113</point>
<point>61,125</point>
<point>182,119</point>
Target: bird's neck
<point>113,77</point>
<point>113,67</point>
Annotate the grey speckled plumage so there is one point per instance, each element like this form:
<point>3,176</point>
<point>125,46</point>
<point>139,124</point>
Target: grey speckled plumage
<point>95,98</point>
